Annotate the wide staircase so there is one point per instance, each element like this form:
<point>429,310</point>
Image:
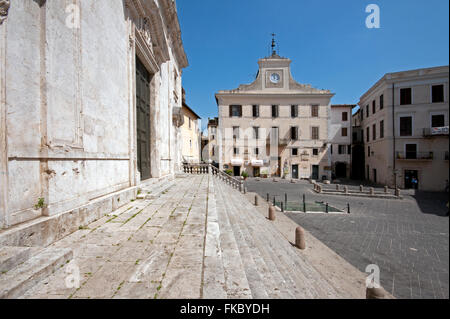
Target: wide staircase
<point>247,257</point>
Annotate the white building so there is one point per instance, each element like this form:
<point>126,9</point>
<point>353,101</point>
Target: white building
<point>275,126</point>
<point>340,136</point>
<point>90,103</point>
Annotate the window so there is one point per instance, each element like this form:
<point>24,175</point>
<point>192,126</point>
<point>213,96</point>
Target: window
<point>361,113</point>
<point>406,126</point>
<point>295,152</point>
<point>331,148</point>
<point>355,137</point>
<point>235,132</point>
<point>368,134</point>
<point>256,132</point>
<point>294,133</point>
<point>382,129</point>
<point>344,131</point>
<point>411,151</point>
<point>213,151</point>
<point>315,133</point>
<point>349,149</point>
<point>274,111</point>
<point>437,92</point>
<point>294,111</point>
<point>235,110</point>
<point>342,149</point>
<point>255,110</point>
<point>438,120</point>
<point>405,96</point>
<point>344,116</point>
<point>368,151</point>
<point>257,151</point>
<point>381,102</point>
<point>374,132</point>
<point>235,151</point>
<point>316,151</point>
<point>190,143</point>
<point>374,107</point>
<point>367,111</point>
<point>314,111</point>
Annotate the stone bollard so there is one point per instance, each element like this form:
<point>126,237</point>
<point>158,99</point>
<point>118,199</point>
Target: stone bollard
<point>300,238</point>
<point>375,293</point>
<point>292,181</point>
<point>256,200</point>
<point>385,189</point>
<point>337,187</point>
<point>345,189</point>
<point>397,192</point>
<point>372,191</point>
<point>361,188</point>
<point>272,215</point>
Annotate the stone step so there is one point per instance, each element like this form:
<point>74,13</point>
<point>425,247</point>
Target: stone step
<point>213,272</point>
<point>282,285</point>
<point>307,282</point>
<point>24,276</point>
<point>307,278</point>
<point>236,283</point>
<point>323,288</point>
<point>258,276</point>
<point>10,257</point>
<point>157,191</point>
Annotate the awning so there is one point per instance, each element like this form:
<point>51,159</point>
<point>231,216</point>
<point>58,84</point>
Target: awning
<point>237,162</point>
<point>257,163</point>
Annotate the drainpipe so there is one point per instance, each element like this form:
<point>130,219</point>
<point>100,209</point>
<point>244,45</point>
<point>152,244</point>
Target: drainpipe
<point>393,134</point>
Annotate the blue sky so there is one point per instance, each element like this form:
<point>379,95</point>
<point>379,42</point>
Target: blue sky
<point>327,41</point>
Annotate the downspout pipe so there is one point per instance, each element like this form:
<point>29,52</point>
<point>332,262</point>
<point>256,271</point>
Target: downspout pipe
<point>393,135</point>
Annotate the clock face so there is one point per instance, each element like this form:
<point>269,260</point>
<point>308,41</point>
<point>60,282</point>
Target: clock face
<point>275,78</point>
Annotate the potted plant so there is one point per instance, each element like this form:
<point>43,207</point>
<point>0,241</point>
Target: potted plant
<point>244,175</point>
<point>229,172</point>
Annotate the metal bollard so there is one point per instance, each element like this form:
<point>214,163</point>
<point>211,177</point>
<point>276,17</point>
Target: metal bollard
<point>268,199</point>
<point>272,215</point>
<point>256,200</point>
<point>326,208</point>
<point>282,207</point>
<point>348,208</point>
<point>300,238</point>
<point>285,200</point>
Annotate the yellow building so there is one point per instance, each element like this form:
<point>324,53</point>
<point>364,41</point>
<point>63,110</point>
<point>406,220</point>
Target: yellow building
<point>190,132</point>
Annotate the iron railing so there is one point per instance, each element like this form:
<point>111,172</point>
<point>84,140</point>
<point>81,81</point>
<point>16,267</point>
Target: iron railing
<point>415,155</point>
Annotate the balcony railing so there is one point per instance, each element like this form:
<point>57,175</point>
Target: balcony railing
<point>435,131</point>
<point>415,155</point>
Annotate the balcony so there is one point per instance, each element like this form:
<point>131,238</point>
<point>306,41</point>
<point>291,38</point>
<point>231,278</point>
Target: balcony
<point>428,156</point>
<point>435,131</point>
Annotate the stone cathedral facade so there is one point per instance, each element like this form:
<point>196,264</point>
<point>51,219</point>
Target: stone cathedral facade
<point>90,105</point>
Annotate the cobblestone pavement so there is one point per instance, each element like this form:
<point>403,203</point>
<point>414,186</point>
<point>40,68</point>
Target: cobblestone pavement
<point>408,239</point>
